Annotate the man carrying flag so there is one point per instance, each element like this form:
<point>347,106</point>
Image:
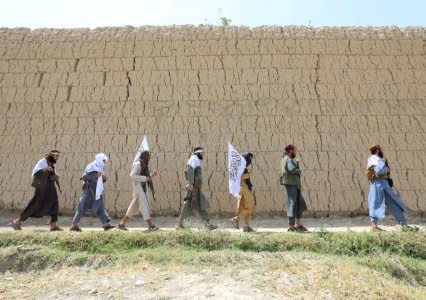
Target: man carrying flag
<point>142,182</point>
<point>240,186</point>
<point>194,198</point>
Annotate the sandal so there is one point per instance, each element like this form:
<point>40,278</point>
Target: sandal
<point>122,227</point>
<point>377,228</point>
<point>235,223</point>
<point>301,229</point>
<point>76,228</point>
<point>108,227</point>
<point>211,226</point>
<point>15,226</point>
<point>153,228</point>
<point>407,228</point>
<point>56,228</point>
<point>248,229</point>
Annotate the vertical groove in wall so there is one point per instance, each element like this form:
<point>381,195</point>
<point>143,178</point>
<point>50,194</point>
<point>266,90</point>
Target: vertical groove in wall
<point>331,91</point>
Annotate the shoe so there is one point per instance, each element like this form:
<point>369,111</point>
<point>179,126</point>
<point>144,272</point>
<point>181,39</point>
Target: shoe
<point>56,228</point>
<point>248,229</point>
<point>15,226</point>
<point>108,227</point>
<point>301,229</point>
<point>235,223</point>
<point>76,228</point>
<point>153,228</point>
<point>180,227</point>
<point>407,228</point>
<point>122,227</point>
<point>211,226</point>
<point>292,229</point>
<point>376,228</point>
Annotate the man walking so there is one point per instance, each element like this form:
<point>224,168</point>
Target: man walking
<point>194,197</point>
<point>142,182</point>
<point>381,192</point>
<point>296,204</point>
<point>45,199</point>
<point>245,205</point>
<point>92,196</point>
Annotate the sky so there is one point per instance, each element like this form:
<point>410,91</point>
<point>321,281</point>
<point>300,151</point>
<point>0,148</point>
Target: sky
<point>97,13</point>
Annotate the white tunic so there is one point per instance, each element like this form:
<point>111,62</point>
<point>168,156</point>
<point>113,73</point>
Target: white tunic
<point>140,198</point>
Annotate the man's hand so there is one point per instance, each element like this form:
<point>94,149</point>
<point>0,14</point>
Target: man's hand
<point>154,173</point>
<point>48,169</point>
<point>191,188</point>
<point>104,178</point>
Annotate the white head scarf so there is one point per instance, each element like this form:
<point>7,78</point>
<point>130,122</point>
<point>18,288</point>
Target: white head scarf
<point>97,165</point>
<point>194,161</point>
<point>373,160</point>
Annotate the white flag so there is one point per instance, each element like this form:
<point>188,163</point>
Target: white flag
<point>99,188</point>
<point>236,166</point>
<point>143,147</point>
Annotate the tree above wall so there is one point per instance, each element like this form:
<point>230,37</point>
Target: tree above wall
<point>222,20</point>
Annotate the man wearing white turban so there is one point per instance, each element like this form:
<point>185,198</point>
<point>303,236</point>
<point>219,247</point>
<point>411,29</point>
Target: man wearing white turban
<point>194,197</point>
<point>45,199</point>
<point>92,196</point>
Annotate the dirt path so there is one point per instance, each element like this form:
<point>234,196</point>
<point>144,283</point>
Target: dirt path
<point>261,224</point>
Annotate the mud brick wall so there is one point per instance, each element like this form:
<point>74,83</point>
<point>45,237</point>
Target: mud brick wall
<point>331,91</point>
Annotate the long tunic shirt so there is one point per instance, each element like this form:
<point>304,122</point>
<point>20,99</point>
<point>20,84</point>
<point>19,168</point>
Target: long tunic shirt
<point>296,204</point>
<point>196,199</point>
<point>45,199</point>
<point>140,197</point>
<point>381,194</point>
<point>88,202</point>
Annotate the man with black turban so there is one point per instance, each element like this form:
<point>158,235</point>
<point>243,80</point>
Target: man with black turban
<point>45,199</point>
<point>142,182</point>
<point>194,197</point>
<point>296,204</point>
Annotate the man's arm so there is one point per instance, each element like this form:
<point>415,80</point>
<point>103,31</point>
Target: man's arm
<point>136,169</point>
<point>191,177</point>
<point>292,167</point>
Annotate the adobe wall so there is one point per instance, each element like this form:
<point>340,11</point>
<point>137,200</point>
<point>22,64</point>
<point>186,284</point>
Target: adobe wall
<point>330,91</point>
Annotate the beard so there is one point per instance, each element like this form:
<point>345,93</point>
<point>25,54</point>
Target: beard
<point>200,156</point>
<point>293,155</point>
<point>380,154</point>
<point>50,159</point>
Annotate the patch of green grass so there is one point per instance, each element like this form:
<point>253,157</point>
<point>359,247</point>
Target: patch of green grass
<point>346,243</point>
<point>403,268</point>
<point>400,255</point>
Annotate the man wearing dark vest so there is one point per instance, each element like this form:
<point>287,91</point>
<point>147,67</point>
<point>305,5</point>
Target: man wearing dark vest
<point>296,205</point>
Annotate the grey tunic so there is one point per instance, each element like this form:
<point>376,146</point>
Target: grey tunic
<point>296,204</point>
<point>88,202</point>
<point>197,198</point>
